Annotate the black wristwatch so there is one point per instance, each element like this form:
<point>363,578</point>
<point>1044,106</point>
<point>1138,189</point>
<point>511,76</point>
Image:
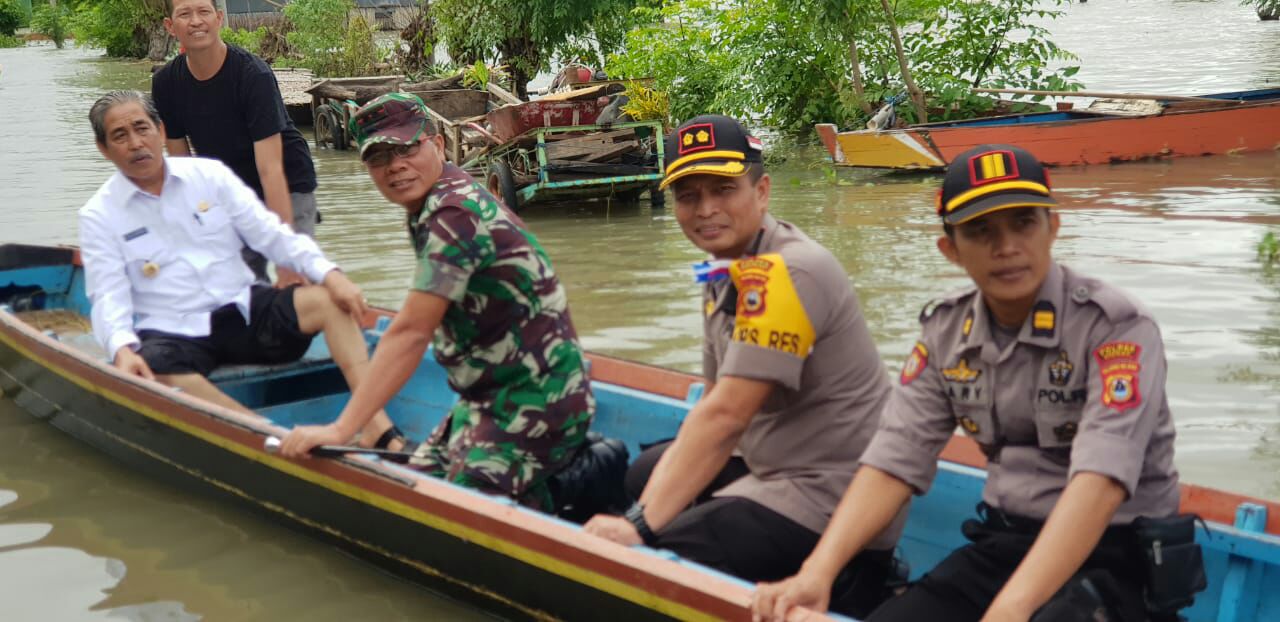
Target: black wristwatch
<point>635,516</point>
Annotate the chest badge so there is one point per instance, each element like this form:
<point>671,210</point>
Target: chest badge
<point>969,425</point>
<point>202,206</point>
<point>961,373</point>
<point>150,269</point>
<point>1060,370</point>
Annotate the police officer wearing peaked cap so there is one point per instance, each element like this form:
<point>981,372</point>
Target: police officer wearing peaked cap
<point>1060,379</point>
<point>795,386</point>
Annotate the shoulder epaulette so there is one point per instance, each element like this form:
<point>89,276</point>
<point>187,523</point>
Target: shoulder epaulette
<point>1116,304</point>
<point>948,300</point>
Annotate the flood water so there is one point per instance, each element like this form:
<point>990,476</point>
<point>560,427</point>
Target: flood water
<point>82,538</point>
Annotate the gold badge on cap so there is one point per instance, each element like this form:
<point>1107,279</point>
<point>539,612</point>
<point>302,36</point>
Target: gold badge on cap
<point>203,206</point>
<point>992,166</point>
<point>697,137</point>
<point>150,269</point>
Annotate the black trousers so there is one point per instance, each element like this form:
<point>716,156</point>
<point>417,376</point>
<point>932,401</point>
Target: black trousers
<point>962,586</point>
<point>745,539</point>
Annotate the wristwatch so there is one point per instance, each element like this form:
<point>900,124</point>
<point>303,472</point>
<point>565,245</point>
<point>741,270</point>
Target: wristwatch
<point>635,516</point>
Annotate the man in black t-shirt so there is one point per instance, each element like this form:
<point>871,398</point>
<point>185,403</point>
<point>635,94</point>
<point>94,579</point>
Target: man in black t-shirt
<point>226,102</point>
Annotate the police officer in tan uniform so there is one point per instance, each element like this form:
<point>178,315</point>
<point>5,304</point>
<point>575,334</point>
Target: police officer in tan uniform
<point>795,386</point>
<point>1060,379</point>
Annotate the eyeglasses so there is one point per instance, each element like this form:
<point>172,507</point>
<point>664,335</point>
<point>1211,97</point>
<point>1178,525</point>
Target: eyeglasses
<point>383,157</point>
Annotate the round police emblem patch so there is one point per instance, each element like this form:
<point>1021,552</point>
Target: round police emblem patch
<point>751,300</point>
<point>1121,390</point>
<point>916,362</point>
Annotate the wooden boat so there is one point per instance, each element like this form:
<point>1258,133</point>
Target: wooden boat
<point>1221,123</point>
<point>486,550</point>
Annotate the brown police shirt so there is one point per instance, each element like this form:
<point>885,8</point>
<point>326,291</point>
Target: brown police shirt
<point>789,316</point>
<point>1079,388</point>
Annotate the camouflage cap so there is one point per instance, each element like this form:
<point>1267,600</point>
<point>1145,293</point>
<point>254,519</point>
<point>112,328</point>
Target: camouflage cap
<point>395,118</point>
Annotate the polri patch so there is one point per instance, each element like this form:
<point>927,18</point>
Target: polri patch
<point>135,234</point>
<point>769,311</point>
<point>916,362</point>
<point>1119,367</point>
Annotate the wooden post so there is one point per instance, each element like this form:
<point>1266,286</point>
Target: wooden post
<point>917,96</point>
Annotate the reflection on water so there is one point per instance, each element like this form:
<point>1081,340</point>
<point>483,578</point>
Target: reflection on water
<point>1179,235</point>
<point>85,538</point>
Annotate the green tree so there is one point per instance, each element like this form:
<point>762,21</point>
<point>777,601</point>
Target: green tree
<point>792,63</point>
<point>1267,9</point>
<point>12,17</point>
<point>525,35</point>
<point>124,28</point>
<point>359,54</point>
<point>51,20</point>
<point>320,27</point>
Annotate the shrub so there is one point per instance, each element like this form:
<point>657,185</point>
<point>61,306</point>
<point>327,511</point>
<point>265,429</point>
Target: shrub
<point>320,26</point>
<point>12,17</point>
<point>51,21</point>
<point>250,40</point>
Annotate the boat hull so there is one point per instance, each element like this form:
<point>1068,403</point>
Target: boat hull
<point>1066,139</point>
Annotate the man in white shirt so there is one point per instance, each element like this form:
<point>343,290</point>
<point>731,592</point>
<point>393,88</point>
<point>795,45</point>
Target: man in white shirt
<point>172,299</point>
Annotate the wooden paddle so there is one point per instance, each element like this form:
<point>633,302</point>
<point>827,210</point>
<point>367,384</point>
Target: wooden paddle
<point>1100,95</point>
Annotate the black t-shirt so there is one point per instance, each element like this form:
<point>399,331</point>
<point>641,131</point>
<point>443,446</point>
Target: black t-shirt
<point>226,114</point>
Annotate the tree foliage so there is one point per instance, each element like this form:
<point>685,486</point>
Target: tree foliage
<point>124,28</point>
<point>789,63</point>
<point>1266,9</point>
<point>12,17</point>
<point>52,21</point>
<point>327,38</point>
<point>525,35</point>
<point>320,27</point>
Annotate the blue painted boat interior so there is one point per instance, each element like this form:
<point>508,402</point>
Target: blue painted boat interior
<point>1241,560</point>
<point>1072,115</point>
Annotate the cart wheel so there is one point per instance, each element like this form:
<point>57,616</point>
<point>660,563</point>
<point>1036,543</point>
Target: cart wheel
<point>329,129</point>
<point>503,185</point>
<point>322,123</point>
<point>657,198</point>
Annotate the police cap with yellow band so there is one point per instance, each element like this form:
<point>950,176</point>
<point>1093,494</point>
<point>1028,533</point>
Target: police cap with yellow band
<point>711,144</point>
<point>988,178</point>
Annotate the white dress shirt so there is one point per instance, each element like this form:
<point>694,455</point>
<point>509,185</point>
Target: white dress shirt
<point>167,262</point>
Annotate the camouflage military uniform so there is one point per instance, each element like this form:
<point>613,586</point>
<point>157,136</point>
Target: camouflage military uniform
<point>507,343</point>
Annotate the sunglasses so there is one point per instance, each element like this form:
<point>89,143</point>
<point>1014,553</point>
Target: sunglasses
<point>378,157</point>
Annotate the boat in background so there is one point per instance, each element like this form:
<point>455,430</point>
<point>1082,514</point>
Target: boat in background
<point>485,550</point>
<point>1107,131</point>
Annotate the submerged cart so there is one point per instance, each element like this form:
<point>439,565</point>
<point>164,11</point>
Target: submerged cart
<point>555,149</point>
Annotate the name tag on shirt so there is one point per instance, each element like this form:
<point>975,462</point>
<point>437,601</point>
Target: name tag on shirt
<point>135,234</point>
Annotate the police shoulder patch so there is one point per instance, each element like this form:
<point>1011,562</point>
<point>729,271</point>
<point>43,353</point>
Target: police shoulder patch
<point>915,364</point>
<point>770,313</point>
<point>1119,367</point>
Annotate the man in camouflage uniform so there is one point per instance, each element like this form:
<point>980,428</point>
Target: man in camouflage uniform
<point>485,295</point>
